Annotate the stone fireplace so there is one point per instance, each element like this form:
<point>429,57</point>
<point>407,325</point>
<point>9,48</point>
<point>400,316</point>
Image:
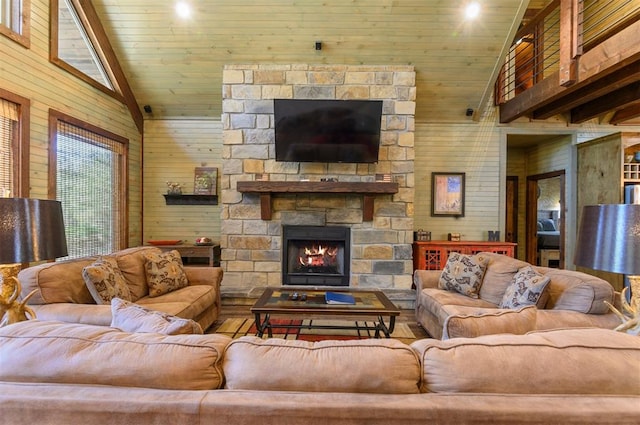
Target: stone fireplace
<point>252,241</point>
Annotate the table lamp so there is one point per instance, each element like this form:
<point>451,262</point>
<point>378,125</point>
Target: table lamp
<point>609,240</point>
<point>30,230</point>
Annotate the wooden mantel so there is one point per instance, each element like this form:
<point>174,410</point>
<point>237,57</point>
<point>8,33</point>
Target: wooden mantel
<point>268,188</point>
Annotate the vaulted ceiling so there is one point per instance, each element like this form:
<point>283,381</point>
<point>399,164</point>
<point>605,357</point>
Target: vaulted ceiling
<point>175,65</point>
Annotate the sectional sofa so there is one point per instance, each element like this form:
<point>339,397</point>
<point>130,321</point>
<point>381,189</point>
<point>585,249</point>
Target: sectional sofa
<point>62,373</point>
<point>569,299</point>
<point>63,293</point>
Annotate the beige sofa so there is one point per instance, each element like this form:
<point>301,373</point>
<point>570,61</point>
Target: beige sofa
<point>62,373</point>
<point>573,299</point>
<point>63,295</point>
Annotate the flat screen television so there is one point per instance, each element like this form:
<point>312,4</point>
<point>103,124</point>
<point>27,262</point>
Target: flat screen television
<point>327,130</point>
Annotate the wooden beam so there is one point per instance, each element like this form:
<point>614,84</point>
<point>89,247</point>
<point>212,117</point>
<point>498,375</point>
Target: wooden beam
<point>617,99</point>
<point>626,114</point>
<point>603,86</point>
<point>619,51</point>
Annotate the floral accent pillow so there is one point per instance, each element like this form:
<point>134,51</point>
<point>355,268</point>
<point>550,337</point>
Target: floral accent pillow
<point>165,272</point>
<point>130,317</point>
<point>464,273</point>
<point>526,288</point>
<point>105,281</point>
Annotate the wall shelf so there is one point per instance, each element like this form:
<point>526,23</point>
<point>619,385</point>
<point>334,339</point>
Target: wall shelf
<point>191,199</point>
<point>367,189</point>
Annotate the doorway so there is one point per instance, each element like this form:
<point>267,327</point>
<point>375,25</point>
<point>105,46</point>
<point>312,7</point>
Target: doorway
<point>545,219</point>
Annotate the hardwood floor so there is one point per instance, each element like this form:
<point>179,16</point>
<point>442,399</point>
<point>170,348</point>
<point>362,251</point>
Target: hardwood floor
<point>242,311</point>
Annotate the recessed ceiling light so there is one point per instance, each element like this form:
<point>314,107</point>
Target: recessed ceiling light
<point>183,9</point>
<point>472,10</point>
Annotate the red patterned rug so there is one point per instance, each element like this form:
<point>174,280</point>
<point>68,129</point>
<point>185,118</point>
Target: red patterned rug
<point>238,327</point>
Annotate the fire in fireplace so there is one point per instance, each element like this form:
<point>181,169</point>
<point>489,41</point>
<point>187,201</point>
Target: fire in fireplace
<point>316,255</point>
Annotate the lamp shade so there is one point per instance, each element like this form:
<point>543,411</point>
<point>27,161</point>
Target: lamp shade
<point>31,230</point>
<point>609,238</point>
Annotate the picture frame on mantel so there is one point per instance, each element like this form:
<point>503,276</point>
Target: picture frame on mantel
<point>447,194</point>
<point>205,181</point>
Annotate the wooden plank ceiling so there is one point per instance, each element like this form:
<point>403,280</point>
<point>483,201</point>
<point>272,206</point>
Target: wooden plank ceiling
<point>175,65</point>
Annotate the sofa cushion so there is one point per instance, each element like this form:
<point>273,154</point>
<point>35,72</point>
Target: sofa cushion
<point>165,272</point>
<point>463,273</point>
<point>188,302</point>
<point>70,353</point>
<point>577,291</point>
<point>472,324</point>
<point>130,317</point>
<point>383,366</point>
<point>499,274</point>
<point>567,361</point>
<point>132,265</point>
<point>527,288</point>
<point>105,281</point>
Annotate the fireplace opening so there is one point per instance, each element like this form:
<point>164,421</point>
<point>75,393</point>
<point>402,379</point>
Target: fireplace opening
<point>316,255</point>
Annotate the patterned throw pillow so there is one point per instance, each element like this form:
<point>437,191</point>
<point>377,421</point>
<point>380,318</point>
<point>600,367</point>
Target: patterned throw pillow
<point>464,273</point>
<point>130,317</point>
<point>105,281</point>
<point>165,272</point>
<point>526,288</point>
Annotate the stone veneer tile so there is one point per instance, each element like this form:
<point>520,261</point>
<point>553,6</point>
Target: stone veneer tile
<point>353,92</point>
<point>268,77</point>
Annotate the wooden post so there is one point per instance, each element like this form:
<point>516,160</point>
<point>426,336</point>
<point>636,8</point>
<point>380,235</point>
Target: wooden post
<point>570,34</point>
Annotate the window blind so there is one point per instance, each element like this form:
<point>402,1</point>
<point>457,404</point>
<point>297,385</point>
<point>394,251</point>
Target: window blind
<point>8,134</point>
<point>89,184</point>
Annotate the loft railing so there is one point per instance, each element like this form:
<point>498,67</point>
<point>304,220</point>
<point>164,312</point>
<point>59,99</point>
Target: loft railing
<point>554,40</point>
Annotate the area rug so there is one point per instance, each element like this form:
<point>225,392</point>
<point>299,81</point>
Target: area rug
<point>237,327</point>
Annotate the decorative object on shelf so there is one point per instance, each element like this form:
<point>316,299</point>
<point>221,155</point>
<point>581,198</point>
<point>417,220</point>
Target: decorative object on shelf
<point>204,241</point>
<point>494,235</point>
<point>383,177</point>
<point>205,181</point>
<point>30,230</point>
<point>453,237</point>
<point>609,240</point>
<point>174,188</point>
<point>422,236</point>
<point>447,194</point>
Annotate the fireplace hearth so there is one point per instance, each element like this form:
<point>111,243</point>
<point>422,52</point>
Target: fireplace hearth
<point>316,255</point>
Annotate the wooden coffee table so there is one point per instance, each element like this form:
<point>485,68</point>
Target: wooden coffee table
<point>369,303</point>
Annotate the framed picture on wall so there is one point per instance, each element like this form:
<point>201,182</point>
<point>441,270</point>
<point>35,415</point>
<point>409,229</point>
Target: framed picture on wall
<point>447,194</point>
<point>205,181</point>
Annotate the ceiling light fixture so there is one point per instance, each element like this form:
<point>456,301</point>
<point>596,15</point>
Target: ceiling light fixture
<point>472,10</point>
<point>183,9</point>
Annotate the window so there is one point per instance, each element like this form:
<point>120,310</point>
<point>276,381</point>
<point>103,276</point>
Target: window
<point>14,147</point>
<point>88,174</point>
<point>15,20</point>
<point>75,47</point>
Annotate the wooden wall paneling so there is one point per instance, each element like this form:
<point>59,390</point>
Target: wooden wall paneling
<point>172,150</point>
<point>599,172</point>
<point>469,148</point>
<point>28,73</point>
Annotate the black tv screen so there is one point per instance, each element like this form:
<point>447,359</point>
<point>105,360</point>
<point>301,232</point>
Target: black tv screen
<point>327,130</point>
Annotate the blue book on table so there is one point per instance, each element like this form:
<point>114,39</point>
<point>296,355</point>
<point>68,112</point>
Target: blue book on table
<point>339,298</point>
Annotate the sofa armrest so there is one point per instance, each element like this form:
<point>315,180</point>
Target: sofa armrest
<point>198,275</point>
<point>426,279</point>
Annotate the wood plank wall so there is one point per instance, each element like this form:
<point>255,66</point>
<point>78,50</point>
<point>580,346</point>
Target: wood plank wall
<point>172,150</point>
<point>28,73</point>
<point>471,148</point>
